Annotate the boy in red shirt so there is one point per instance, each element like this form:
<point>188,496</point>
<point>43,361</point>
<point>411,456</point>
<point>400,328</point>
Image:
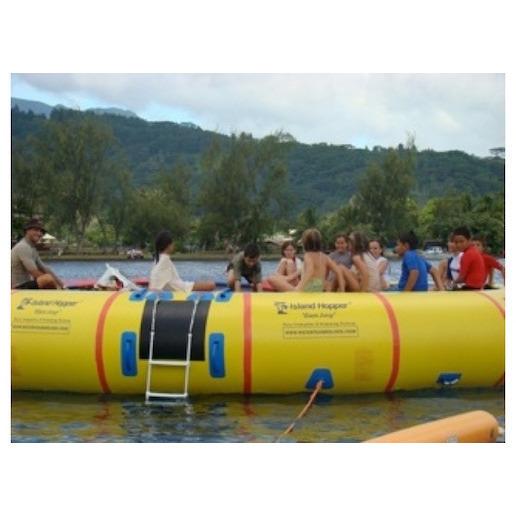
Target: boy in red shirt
<point>472,270</point>
<point>490,263</point>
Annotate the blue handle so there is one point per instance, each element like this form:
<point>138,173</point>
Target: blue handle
<point>216,353</point>
<point>448,378</point>
<point>128,353</point>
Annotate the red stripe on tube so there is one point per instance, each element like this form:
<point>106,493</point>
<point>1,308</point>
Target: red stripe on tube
<point>495,302</point>
<point>500,381</point>
<point>248,344</point>
<point>500,308</point>
<point>395,332</point>
<point>99,342</point>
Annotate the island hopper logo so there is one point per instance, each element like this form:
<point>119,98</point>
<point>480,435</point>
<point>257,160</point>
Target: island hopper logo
<point>281,307</point>
<point>40,303</point>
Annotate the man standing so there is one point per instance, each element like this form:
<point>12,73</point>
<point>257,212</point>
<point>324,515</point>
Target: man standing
<point>27,269</point>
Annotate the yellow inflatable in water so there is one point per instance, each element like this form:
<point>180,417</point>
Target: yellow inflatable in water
<point>477,426</point>
<point>255,343</point>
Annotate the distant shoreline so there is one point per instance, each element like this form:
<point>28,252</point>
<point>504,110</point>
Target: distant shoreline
<point>180,257</point>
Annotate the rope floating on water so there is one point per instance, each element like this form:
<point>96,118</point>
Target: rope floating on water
<point>310,402</point>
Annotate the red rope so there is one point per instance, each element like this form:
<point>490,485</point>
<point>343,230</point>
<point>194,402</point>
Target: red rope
<point>310,402</point>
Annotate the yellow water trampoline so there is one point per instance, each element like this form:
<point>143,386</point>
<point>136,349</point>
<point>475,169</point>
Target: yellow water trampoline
<point>168,344</point>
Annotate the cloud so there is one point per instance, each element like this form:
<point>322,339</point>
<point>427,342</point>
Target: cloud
<point>445,111</point>
<point>446,121</point>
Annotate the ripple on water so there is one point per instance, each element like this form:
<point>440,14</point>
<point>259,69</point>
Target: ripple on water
<point>58,417</point>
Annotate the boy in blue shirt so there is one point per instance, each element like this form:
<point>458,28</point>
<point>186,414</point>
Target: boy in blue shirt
<point>414,269</point>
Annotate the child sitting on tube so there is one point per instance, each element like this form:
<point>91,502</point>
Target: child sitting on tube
<point>164,276</point>
<point>246,264</point>
<point>414,269</point>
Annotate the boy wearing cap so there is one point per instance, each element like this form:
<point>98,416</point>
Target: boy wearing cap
<point>27,269</point>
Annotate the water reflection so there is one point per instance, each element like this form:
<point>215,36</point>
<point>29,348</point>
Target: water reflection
<point>56,417</point>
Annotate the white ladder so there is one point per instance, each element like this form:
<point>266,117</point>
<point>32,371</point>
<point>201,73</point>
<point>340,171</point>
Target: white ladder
<point>149,393</point>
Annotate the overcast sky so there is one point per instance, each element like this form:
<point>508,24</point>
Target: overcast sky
<point>445,111</point>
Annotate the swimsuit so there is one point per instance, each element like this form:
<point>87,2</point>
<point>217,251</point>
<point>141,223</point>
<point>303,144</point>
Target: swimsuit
<point>314,285</point>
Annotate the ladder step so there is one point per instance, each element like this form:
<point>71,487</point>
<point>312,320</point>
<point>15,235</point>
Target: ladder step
<point>177,363</point>
<point>151,394</point>
<point>167,402</point>
<point>174,363</point>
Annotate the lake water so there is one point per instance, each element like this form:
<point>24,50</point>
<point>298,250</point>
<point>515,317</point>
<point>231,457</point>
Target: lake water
<point>64,417</point>
<point>60,417</point>
<point>188,270</point>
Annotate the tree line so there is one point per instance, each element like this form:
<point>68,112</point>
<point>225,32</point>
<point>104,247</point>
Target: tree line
<point>384,205</point>
<point>321,174</point>
<point>74,172</point>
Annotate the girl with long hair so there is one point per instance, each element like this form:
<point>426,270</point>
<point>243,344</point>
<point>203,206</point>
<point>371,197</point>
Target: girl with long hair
<point>363,275</point>
<point>164,276</point>
<point>315,269</point>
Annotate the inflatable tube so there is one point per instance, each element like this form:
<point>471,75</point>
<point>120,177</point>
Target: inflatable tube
<point>257,343</point>
<point>89,284</point>
<point>471,427</point>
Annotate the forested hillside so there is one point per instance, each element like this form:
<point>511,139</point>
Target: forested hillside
<point>320,176</point>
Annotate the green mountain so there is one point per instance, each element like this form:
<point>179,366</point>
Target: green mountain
<point>321,176</point>
<point>40,108</point>
<point>113,111</point>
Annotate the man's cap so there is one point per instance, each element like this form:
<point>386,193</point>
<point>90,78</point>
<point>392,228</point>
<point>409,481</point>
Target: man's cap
<point>34,224</point>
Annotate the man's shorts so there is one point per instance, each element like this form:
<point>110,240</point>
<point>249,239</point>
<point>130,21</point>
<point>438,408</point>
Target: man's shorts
<point>29,285</point>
